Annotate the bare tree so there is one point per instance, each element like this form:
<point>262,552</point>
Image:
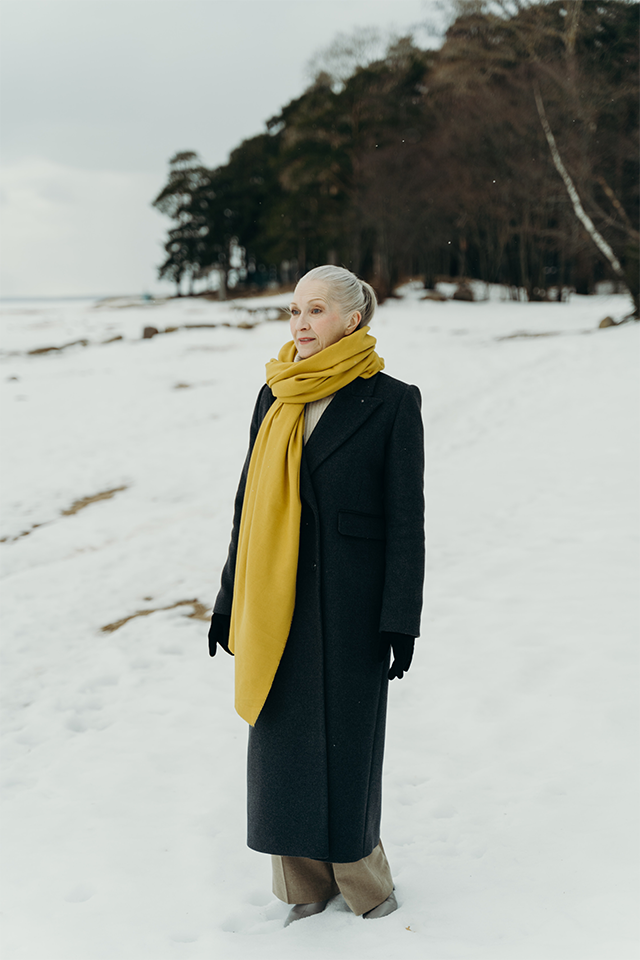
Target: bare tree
<point>345,54</point>
<point>582,216</point>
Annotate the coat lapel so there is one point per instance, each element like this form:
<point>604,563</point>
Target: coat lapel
<point>346,413</point>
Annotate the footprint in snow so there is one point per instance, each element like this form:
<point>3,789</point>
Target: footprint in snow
<point>80,724</point>
<point>105,680</point>
<point>79,893</point>
<point>184,936</point>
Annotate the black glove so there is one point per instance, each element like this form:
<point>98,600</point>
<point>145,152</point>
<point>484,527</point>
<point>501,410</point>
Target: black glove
<point>219,633</point>
<point>402,646</point>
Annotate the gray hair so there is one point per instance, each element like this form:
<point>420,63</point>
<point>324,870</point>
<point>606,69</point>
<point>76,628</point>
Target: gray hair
<point>347,291</point>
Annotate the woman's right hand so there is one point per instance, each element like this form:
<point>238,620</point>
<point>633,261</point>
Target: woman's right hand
<point>402,646</point>
<point>219,633</point>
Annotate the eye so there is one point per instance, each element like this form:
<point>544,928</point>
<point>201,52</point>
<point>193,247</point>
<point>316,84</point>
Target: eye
<point>317,310</point>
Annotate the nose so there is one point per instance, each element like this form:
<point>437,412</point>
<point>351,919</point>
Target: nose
<point>301,322</point>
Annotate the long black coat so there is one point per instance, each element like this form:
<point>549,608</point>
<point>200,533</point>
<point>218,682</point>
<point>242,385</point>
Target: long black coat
<point>315,752</point>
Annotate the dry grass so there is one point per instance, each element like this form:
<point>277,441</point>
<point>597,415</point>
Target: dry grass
<point>25,533</point>
<point>514,336</point>
<point>199,612</point>
<point>74,343</point>
<point>86,501</point>
<point>74,508</point>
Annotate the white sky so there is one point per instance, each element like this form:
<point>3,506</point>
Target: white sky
<point>97,95</point>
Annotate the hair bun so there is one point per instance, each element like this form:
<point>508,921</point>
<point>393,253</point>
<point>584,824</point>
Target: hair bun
<point>370,302</point>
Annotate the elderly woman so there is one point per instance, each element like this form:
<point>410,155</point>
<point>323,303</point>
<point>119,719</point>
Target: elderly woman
<point>323,579</point>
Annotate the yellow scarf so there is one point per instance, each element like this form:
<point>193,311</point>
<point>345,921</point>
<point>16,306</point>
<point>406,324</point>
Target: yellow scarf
<point>267,559</point>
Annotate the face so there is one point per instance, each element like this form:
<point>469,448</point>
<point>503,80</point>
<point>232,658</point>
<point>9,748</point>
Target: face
<point>315,322</point>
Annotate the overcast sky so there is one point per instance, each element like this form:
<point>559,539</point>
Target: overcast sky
<point>97,95</point>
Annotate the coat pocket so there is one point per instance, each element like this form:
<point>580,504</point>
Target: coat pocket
<point>364,525</point>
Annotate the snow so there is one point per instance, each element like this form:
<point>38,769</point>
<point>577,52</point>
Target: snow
<point>509,791</point>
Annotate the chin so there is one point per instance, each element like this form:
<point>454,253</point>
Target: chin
<point>307,350</point>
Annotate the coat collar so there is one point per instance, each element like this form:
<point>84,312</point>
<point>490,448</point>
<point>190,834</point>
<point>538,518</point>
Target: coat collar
<point>346,413</point>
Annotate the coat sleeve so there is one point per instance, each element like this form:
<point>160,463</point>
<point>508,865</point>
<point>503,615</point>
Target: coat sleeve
<point>224,599</point>
<point>404,515</point>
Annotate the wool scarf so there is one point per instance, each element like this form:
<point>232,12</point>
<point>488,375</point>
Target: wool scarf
<point>268,543</point>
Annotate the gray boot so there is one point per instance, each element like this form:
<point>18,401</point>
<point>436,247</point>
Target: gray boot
<point>302,910</point>
<point>383,909</point>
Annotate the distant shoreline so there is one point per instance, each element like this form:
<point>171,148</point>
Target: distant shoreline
<point>87,296</point>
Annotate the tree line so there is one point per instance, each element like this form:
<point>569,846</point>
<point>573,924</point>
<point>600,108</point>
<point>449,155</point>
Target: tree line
<point>456,162</point>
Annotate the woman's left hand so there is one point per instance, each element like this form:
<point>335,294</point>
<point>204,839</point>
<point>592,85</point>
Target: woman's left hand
<point>402,646</point>
<point>219,633</point>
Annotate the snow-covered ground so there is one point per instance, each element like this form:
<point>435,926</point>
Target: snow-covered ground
<point>510,802</point>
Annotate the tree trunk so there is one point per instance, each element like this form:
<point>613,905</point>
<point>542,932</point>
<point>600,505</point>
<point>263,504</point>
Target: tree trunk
<point>462,265</point>
<point>222,284</point>
<point>579,210</point>
<point>302,255</point>
<point>381,273</point>
<point>632,274</point>
<point>581,214</point>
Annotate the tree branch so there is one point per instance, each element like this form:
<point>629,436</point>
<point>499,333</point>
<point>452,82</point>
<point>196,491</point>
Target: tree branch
<point>572,27</point>
<point>616,203</point>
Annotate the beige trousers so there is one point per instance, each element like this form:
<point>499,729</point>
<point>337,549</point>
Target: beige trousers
<point>363,884</point>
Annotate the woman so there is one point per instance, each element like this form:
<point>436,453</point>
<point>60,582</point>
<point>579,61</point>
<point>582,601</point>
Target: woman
<point>324,577</point>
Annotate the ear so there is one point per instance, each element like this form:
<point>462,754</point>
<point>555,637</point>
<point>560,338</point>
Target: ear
<point>353,323</point>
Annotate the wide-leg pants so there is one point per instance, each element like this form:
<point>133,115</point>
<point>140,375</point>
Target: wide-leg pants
<point>363,884</point>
